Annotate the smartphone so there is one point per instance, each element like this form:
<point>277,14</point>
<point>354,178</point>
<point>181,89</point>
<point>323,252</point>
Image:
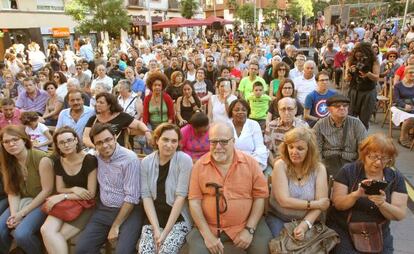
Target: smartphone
<point>374,187</point>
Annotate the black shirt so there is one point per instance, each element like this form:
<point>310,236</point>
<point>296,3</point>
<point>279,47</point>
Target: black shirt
<point>89,163</point>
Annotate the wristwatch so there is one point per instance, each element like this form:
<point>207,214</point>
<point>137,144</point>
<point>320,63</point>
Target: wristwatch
<point>65,196</point>
<point>250,230</point>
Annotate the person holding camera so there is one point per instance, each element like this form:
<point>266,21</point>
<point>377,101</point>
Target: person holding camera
<point>369,192</point>
<point>362,70</point>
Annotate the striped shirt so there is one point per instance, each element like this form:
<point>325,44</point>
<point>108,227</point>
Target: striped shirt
<point>119,178</point>
<point>329,137</point>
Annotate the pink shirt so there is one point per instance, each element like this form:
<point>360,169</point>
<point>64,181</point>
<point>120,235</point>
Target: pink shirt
<point>192,144</point>
<point>14,120</point>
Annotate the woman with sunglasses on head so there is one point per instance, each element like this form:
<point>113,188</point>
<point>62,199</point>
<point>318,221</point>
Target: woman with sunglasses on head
<point>53,105</point>
<point>165,176</point>
<point>281,72</point>
<point>75,180</point>
<point>28,180</point>
<point>354,201</point>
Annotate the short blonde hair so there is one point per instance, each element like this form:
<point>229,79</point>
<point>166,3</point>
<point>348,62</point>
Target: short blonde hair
<point>312,159</point>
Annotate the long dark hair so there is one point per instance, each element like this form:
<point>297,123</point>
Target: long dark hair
<point>10,168</point>
<point>193,93</point>
<point>366,49</point>
<point>114,106</point>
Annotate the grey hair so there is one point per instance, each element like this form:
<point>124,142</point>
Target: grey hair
<point>73,81</point>
<point>104,86</point>
<point>125,84</point>
<point>222,124</point>
<point>286,100</point>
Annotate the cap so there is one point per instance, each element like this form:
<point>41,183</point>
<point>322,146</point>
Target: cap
<point>337,98</point>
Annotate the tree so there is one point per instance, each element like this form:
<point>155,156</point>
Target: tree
<point>270,12</point>
<point>99,15</point>
<point>188,8</point>
<point>298,7</point>
<point>246,12</point>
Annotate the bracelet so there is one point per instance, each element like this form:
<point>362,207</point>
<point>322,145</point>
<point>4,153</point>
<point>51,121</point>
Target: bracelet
<point>308,205</point>
<point>148,130</point>
<point>308,223</point>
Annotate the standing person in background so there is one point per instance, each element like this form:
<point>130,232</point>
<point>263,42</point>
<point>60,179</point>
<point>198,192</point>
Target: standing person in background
<point>86,52</point>
<point>339,64</point>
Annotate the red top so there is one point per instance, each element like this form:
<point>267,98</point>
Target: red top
<point>168,101</point>
<point>400,72</point>
<point>340,59</point>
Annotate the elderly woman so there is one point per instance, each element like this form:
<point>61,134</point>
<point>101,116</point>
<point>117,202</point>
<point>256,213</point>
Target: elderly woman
<point>109,111</point>
<point>247,132</point>
<point>195,140</point>
<point>28,181</point>
<point>75,180</point>
<point>130,102</point>
<point>299,186</point>
<point>351,202</point>
<point>282,72</point>
<point>219,103</point>
<point>53,105</point>
<point>158,105</point>
<point>404,98</point>
<point>165,176</point>
<point>137,84</point>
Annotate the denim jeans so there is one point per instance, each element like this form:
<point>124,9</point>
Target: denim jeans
<point>25,234</point>
<point>275,224</point>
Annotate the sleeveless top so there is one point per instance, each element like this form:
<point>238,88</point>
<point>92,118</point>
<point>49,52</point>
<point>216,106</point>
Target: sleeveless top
<point>32,186</point>
<point>219,109</point>
<point>158,115</point>
<point>186,112</point>
<point>304,192</point>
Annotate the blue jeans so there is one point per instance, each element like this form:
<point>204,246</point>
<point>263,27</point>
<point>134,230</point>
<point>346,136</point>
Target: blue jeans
<point>275,224</point>
<point>97,229</point>
<point>25,234</point>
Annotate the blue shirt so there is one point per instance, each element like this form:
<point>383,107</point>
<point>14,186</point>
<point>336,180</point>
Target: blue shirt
<point>86,52</point>
<point>138,86</point>
<point>37,104</point>
<point>65,119</point>
<point>317,103</point>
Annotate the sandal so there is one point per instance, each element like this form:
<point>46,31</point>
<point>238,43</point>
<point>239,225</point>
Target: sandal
<point>404,143</point>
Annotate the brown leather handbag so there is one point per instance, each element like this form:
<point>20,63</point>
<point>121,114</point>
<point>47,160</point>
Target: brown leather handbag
<point>366,236</point>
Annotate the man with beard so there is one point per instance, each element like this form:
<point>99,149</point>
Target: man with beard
<point>240,177</point>
<point>77,115</point>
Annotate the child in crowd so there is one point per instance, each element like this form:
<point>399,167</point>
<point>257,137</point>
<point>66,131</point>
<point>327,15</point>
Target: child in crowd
<point>38,132</point>
<point>259,104</point>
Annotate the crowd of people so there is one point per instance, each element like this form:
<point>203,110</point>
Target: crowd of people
<point>222,131</point>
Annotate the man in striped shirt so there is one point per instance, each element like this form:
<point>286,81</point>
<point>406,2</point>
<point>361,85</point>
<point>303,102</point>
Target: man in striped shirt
<point>117,217</point>
<point>337,149</point>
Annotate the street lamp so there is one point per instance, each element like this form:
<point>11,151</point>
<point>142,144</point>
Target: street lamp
<point>149,20</point>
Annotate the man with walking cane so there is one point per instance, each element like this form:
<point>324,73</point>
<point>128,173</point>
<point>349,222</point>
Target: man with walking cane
<point>227,195</point>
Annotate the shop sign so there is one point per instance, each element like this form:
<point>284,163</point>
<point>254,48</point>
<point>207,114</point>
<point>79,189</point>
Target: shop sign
<point>139,20</point>
<point>59,32</point>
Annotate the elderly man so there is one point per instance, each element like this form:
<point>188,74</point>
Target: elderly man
<point>117,217</point>
<point>9,113</point>
<point>77,115</point>
<point>140,69</point>
<point>32,99</point>
<point>290,56</point>
<point>306,83</point>
<point>277,128</point>
<point>102,78</point>
<point>243,189</point>
<point>332,132</point>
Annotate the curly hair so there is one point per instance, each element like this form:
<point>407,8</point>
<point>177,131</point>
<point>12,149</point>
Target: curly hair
<point>174,75</point>
<point>366,49</point>
<point>243,102</point>
<point>157,76</point>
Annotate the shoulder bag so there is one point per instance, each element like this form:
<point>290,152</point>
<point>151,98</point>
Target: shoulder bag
<point>319,239</point>
<point>69,210</point>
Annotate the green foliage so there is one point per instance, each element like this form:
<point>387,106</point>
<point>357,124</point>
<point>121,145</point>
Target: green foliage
<point>319,6</point>
<point>296,7</point>
<point>99,15</point>
<point>232,4</point>
<point>246,13</point>
<point>188,8</point>
<point>270,12</point>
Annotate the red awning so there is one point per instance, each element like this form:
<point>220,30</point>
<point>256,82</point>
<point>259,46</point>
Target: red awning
<point>179,22</point>
<point>210,20</point>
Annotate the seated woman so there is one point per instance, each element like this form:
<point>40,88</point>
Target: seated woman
<point>75,180</point>
<point>28,181</point>
<point>280,73</point>
<point>174,90</point>
<point>194,140</point>
<point>376,154</point>
<point>165,176</point>
<point>218,104</point>
<point>158,105</point>
<point>187,104</point>
<point>286,89</point>
<point>247,133</point>
<point>404,98</point>
<point>299,186</point>
<point>53,105</point>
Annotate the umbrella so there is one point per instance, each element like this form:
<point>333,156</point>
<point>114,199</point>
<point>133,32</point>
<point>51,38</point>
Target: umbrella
<point>179,22</point>
<point>210,20</point>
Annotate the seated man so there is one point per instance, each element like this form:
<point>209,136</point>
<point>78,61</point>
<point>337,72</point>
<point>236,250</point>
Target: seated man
<point>117,217</point>
<point>243,191</point>
<point>32,99</point>
<point>277,128</point>
<point>9,113</point>
<point>315,103</point>
<point>332,132</point>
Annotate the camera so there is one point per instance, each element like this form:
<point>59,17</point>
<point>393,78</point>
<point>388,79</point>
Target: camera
<point>362,67</point>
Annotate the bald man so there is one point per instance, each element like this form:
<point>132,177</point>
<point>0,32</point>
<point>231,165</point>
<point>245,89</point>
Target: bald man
<point>241,180</point>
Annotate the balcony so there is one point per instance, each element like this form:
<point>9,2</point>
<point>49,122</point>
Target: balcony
<point>136,3</point>
<point>173,4</point>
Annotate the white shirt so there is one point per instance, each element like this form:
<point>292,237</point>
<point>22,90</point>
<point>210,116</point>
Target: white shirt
<point>147,57</point>
<point>304,87</point>
<point>129,104</point>
<point>106,80</point>
<point>218,111</point>
<point>37,135</point>
<point>62,90</point>
<point>295,73</point>
<point>251,142</point>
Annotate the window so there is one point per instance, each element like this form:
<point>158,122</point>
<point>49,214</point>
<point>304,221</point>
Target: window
<point>9,4</point>
<point>50,5</point>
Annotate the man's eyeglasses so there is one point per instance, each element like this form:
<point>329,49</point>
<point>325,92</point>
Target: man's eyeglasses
<point>9,141</point>
<point>210,61</point>
<point>105,141</point>
<point>338,105</point>
<point>223,142</point>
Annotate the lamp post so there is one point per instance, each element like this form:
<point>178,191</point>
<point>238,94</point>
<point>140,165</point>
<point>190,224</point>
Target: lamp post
<point>149,20</point>
<point>405,14</point>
